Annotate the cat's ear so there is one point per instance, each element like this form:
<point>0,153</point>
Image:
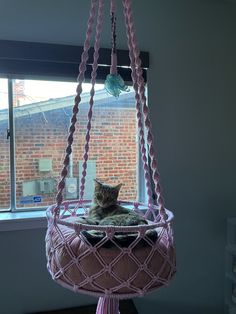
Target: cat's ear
<point>117,187</point>
<point>97,183</point>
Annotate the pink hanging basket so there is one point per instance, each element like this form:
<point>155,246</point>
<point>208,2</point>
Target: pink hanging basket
<point>109,268</point>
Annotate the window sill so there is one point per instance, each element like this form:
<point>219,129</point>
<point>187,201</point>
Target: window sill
<point>22,220</point>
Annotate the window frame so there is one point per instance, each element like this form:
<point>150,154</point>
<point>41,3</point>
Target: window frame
<point>34,60</point>
<point>27,60</point>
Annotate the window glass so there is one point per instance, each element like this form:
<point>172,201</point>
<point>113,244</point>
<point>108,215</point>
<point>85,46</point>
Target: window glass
<point>113,143</point>
<point>4,147</point>
<point>42,112</point>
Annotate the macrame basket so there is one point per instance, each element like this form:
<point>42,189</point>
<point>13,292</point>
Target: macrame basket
<point>107,269</point>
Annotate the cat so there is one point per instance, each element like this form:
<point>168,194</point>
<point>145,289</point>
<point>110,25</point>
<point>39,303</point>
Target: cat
<point>107,211</point>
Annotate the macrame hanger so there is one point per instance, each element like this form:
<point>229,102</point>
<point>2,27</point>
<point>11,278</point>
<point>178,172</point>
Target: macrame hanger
<point>72,260</point>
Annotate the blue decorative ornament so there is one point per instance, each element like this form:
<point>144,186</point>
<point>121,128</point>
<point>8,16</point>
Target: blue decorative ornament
<point>114,85</point>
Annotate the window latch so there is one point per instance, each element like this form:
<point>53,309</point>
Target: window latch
<point>8,134</point>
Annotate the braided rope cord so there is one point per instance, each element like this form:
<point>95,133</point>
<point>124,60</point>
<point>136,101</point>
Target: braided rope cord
<point>139,116</point>
<point>141,84</point>
<point>92,93</point>
<point>113,69</point>
<point>113,25</point>
<point>82,69</point>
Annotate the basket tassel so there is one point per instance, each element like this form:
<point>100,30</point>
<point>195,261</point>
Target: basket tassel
<point>107,306</point>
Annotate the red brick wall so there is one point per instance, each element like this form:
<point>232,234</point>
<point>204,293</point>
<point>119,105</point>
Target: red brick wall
<point>112,145</point>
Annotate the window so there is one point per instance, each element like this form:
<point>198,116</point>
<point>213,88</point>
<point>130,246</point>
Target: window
<point>35,111</point>
<point>38,131</point>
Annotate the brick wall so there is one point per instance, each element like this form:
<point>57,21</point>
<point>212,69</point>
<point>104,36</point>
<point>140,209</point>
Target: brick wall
<point>113,147</point>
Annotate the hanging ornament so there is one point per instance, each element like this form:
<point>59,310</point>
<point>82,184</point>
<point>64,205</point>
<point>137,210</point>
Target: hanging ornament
<point>114,83</point>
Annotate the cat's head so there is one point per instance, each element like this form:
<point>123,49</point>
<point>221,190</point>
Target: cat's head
<point>105,195</point>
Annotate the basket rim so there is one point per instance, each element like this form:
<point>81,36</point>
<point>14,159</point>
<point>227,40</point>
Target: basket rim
<point>107,228</point>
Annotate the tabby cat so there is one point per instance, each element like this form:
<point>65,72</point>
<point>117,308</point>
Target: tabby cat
<point>107,211</point>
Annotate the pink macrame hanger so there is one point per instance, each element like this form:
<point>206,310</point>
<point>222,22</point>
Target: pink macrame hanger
<point>86,267</point>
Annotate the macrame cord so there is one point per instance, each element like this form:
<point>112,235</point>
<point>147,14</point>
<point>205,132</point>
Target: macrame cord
<point>113,69</point>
